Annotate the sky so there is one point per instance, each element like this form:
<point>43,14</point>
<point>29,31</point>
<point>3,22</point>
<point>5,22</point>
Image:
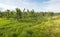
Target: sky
<point>37,5</point>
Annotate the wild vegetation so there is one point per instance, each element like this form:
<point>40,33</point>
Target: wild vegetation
<point>29,24</point>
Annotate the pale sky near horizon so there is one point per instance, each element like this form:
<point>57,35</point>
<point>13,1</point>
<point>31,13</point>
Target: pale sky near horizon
<point>37,5</point>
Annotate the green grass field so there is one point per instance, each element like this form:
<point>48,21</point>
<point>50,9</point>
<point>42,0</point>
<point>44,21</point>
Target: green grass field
<point>30,28</point>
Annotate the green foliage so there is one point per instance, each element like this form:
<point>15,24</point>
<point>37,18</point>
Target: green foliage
<point>28,24</point>
<point>19,13</point>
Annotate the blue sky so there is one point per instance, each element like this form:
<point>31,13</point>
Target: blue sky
<point>37,5</point>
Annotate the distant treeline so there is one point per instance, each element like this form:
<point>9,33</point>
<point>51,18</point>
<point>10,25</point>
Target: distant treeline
<point>18,14</point>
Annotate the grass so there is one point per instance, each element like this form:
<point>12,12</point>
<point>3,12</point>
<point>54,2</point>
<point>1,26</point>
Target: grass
<point>32,28</point>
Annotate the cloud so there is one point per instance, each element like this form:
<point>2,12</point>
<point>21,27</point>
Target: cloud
<point>5,6</point>
<point>37,5</point>
<point>53,5</point>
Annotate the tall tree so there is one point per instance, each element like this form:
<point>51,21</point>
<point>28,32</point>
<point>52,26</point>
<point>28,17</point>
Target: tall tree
<point>1,14</point>
<point>32,13</point>
<point>7,14</point>
<point>18,14</point>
